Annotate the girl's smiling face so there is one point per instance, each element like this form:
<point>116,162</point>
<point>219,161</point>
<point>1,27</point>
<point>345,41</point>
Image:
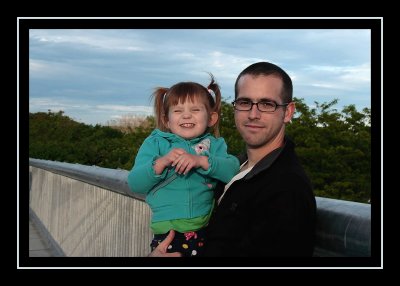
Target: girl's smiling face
<point>190,119</point>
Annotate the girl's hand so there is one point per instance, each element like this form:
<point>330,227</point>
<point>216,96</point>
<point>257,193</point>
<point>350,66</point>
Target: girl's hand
<point>166,160</point>
<point>185,162</point>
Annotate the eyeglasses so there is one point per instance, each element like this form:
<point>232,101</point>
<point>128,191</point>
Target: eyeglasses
<point>263,105</point>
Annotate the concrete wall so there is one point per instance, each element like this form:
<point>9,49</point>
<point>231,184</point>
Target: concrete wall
<point>86,220</point>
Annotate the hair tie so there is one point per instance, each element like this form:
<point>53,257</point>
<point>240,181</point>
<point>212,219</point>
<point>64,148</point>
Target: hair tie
<point>211,92</point>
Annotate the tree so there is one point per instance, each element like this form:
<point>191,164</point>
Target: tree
<point>335,149</point>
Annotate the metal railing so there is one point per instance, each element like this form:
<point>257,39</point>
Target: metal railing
<point>90,211</point>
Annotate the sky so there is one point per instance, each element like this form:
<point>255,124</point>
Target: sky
<point>99,75</point>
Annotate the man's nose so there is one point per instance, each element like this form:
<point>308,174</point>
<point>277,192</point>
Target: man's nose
<point>254,112</point>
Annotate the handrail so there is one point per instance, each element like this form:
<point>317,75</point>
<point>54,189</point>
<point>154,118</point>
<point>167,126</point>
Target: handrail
<point>110,179</point>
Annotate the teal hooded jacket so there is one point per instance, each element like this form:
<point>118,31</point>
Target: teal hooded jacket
<point>174,196</point>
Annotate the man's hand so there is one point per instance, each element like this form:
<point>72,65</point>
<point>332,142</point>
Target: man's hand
<point>161,249</point>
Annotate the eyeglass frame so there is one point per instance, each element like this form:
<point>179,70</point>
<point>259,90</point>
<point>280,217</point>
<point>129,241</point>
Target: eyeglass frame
<point>256,104</point>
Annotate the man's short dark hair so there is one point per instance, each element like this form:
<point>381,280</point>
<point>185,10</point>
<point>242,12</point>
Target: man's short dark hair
<point>265,68</point>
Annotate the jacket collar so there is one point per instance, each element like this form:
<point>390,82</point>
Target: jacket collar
<point>267,161</point>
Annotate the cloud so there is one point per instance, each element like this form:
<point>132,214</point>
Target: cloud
<point>39,103</point>
<point>87,113</point>
<point>336,77</point>
<point>357,74</point>
<point>48,69</point>
<point>125,108</point>
<point>92,39</point>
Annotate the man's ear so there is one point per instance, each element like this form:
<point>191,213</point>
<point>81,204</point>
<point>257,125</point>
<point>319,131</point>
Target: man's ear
<point>290,109</point>
<point>213,119</point>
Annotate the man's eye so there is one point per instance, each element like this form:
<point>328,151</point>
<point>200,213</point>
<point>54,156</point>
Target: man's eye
<point>244,103</point>
<point>266,104</point>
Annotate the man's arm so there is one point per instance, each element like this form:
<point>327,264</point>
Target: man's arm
<point>283,222</point>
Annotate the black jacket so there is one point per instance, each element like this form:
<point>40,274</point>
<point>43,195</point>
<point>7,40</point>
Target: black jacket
<point>269,212</point>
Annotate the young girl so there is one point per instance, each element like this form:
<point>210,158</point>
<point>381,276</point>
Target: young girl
<point>179,164</point>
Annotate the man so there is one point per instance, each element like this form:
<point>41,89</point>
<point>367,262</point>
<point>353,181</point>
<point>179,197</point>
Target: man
<point>268,209</point>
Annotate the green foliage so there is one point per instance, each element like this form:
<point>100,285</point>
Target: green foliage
<point>228,130</point>
<point>334,147</point>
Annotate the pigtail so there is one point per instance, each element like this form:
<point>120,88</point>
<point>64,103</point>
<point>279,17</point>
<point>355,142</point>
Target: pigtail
<point>158,96</point>
<point>214,87</point>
